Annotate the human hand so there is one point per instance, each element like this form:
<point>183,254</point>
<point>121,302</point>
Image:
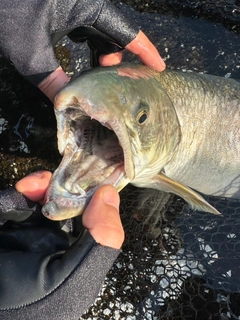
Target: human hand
<point>34,28</point>
<point>140,45</point>
<point>40,271</point>
<point>101,216</point>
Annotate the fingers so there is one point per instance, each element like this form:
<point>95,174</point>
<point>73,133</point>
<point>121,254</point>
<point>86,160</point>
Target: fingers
<point>53,83</point>
<point>102,218</point>
<point>143,48</point>
<point>111,59</point>
<point>34,186</point>
<point>146,51</point>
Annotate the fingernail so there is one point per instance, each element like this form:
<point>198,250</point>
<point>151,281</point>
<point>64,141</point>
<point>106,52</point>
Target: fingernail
<point>161,65</point>
<point>38,174</point>
<point>111,197</point>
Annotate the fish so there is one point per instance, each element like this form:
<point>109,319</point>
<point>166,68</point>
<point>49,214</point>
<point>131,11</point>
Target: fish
<point>175,131</point>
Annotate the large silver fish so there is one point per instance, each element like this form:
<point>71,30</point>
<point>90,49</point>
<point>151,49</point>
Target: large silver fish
<point>173,131</point>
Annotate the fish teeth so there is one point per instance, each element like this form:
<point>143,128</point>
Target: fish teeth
<point>75,189</point>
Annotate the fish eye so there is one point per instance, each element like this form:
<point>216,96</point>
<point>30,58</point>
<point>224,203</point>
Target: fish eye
<point>142,117</point>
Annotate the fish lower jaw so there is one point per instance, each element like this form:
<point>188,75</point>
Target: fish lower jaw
<point>62,208</point>
<point>66,205</point>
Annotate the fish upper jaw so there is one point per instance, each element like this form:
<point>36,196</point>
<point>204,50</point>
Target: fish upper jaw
<point>124,141</point>
<point>104,115</point>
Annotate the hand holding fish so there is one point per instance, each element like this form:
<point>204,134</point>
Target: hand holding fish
<point>29,32</point>
<point>56,267</point>
<point>101,217</point>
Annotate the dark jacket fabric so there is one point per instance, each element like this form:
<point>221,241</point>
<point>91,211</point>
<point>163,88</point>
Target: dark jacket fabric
<point>27,28</point>
<point>46,272</point>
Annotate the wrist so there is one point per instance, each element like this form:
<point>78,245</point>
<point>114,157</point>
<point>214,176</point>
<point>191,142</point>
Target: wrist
<point>53,83</point>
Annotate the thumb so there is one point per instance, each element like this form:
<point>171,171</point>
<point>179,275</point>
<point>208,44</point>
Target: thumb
<point>34,185</point>
<point>102,217</point>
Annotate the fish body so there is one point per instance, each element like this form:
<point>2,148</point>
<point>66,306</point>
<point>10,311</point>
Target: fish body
<point>208,109</point>
<point>173,131</point>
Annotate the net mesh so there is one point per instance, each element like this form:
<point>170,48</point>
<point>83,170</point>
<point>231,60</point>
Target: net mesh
<point>175,263</point>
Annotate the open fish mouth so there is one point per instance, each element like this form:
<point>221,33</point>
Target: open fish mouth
<point>92,156</point>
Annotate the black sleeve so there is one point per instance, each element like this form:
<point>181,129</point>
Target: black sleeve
<point>58,286</point>
<point>15,206</point>
<point>26,31</point>
<point>113,23</point>
<point>42,276</point>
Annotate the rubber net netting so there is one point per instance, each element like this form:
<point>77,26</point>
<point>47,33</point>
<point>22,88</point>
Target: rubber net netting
<point>176,263</point>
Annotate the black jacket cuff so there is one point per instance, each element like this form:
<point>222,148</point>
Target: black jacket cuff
<point>113,23</point>
<point>60,287</point>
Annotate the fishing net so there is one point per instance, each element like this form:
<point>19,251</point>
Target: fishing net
<point>175,263</point>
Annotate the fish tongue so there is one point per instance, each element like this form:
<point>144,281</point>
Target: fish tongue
<point>90,173</point>
<point>116,177</point>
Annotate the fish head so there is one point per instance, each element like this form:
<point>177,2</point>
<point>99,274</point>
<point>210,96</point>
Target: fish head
<point>115,125</point>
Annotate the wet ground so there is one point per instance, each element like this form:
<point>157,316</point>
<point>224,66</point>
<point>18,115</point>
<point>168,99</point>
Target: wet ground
<point>182,272</point>
<point>27,128</point>
<point>224,11</point>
